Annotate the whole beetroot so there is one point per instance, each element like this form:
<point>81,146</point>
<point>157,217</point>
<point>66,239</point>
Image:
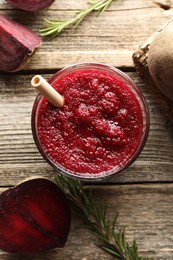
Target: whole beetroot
<point>160,61</point>
<point>31,5</point>
<point>17,45</point>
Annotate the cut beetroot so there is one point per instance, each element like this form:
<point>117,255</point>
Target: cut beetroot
<point>31,5</point>
<point>17,45</point>
<point>34,216</point>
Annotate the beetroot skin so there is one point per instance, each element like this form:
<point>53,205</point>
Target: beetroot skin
<point>34,216</point>
<point>31,5</point>
<point>17,45</point>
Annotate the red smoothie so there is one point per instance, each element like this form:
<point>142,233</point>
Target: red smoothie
<point>101,127</point>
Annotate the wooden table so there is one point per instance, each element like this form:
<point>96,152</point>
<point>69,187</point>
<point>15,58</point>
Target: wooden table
<point>142,194</point>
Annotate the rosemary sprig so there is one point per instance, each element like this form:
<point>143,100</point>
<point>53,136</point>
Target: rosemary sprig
<point>54,27</point>
<point>111,238</point>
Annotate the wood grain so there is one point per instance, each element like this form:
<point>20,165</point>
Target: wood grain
<point>19,157</point>
<point>148,221</point>
<point>111,38</point>
<point>143,194</point>
<point>80,4</point>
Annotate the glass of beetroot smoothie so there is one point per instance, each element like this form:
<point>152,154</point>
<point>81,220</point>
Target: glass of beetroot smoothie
<point>102,127</point>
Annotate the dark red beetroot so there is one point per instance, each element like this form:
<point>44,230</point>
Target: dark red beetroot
<point>31,5</point>
<point>17,45</point>
<point>34,216</point>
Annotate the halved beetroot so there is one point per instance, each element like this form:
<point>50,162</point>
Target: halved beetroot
<point>31,5</point>
<point>17,45</point>
<point>34,216</point>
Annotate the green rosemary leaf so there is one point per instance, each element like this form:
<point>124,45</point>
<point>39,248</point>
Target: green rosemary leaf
<point>110,251</point>
<point>58,25</point>
<point>111,238</point>
<point>103,7</point>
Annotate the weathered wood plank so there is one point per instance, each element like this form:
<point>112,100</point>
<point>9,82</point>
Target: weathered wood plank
<point>19,157</point>
<point>111,38</point>
<point>80,4</point>
<point>147,220</point>
<point>146,209</point>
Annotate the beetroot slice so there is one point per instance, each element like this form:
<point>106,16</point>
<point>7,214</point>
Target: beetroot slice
<point>34,216</point>
<point>31,5</point>
<point>17,45</point>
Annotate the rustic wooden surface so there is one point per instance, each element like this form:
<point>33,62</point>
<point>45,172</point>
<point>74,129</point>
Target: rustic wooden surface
<point>142,194</point>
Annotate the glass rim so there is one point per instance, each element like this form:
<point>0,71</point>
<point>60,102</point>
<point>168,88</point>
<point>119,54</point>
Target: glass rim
<point>143,138</point>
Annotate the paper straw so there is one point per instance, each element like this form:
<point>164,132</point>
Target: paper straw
<point>39,83</point>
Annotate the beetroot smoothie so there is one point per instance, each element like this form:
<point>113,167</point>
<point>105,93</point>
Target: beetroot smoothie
<point>102,126</point>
